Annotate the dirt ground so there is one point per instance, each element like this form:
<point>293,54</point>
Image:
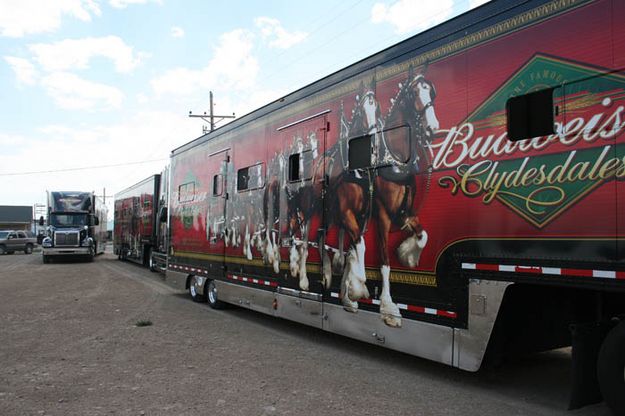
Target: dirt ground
<point>70,345</point>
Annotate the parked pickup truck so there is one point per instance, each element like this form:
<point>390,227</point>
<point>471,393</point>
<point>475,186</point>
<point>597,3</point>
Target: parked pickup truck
<point>12,241</point>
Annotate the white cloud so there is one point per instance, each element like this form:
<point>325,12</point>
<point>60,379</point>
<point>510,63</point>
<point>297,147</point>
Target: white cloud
<point>410,15</point>
<point>122,4</point>
<point>8,140</point>
<point>142,136</point>
<point>232,67</point>
<point>24,17</point>
<point>280,38</point>
<point>24,70</point>
<point>74,93</point>
<point>177,32</point>
<point>76,53</point>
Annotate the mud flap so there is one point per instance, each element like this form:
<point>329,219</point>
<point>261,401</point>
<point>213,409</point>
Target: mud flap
<point>586,342</point>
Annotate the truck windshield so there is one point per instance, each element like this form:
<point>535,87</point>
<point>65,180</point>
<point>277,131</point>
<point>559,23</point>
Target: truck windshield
<point>68,220</point>
<point>3,234</point>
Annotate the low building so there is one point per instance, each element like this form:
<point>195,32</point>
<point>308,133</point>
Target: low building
<point>15,217</point>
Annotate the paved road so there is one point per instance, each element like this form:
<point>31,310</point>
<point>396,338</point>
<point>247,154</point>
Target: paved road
<point>69,346</point>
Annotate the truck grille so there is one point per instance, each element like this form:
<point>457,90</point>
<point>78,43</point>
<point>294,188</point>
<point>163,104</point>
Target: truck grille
<point>68,239</point>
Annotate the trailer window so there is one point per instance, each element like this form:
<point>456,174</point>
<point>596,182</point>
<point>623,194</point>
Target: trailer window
<point>243,179</point>
<point>218,185</point>
<point>360,152</point>
<point>300,166</point>
<point>251,177</point>
<point>186,192</point>
<point>530,115</point>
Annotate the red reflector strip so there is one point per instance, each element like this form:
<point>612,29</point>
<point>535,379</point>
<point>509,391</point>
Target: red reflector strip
<point>188,269</point>
<point>255,281</point>
<point>492,267</point>
<point>403,306</point>
<point>528,269</point>
<point>577,272</point>
<point>551,271</point>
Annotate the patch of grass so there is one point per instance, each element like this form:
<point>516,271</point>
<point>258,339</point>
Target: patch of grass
<point>143,322</point>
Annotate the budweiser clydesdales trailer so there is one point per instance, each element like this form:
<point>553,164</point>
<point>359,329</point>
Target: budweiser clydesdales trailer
<point>458,196</point>
<point>138,222</point>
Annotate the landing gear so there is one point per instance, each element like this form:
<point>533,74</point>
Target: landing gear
<point>611,369</point>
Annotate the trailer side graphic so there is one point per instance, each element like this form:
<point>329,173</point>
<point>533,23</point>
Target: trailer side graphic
<point>455,196</point>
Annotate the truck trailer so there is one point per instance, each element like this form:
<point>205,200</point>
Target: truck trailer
<point>457,196</point>
<point>140,222</point>
<point>76,225</point>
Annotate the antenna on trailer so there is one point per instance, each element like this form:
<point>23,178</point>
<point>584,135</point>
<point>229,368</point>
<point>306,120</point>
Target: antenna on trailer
<point>210,117</point>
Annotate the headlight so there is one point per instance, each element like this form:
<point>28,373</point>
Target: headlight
<point>46,242</point>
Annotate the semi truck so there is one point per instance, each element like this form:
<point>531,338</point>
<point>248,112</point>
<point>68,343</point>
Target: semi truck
<point>139,232</point>
<point>76,225</point>
<point>456,196</point>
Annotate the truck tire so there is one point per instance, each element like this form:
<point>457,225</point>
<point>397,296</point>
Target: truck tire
<point>46,259</point>
<point>195,295</point>
<point>211,296</point>
<point>28,249</point>
<point>91,255</point>
<point>151,264</point>
<point>3,250</point>
<point>611,369</point>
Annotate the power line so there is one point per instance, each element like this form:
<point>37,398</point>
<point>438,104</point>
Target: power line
<point>82,168</point>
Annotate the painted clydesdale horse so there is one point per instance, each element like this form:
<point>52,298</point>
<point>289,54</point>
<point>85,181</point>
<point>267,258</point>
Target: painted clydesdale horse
<point>388,191</point>
<point>391,191</point>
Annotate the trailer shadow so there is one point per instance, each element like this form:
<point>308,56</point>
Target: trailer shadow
<point>541,380</point>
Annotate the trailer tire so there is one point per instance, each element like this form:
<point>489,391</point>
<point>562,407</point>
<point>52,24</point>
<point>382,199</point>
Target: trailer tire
<point>611,369</point>
<point>3,250</point>
<point>28,249</point>
<point>211,296</point>
<point>195,295</point>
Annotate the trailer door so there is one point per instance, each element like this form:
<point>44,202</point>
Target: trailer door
<point>216,211</point>
<point>302,214</point>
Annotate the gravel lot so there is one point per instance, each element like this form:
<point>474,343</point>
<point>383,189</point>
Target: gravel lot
<point>69,345</point>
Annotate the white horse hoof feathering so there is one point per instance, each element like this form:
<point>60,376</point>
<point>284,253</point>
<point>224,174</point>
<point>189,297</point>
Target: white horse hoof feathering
<point>348,304</point>
<point>355,272</point>
<point>276,254</point>
<point>303,277</point>
<point>294,261</point>
<point>409,251</point>
<point>389,311</point>
<point>327,269</point>
<point>247,247</point>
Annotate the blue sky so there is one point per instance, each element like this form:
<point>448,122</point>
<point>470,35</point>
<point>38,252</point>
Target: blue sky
<point>99,83</point>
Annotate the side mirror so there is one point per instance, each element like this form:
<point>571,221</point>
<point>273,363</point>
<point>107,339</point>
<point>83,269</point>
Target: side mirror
<point>162,216</point>
<point>41,221</point>
<point>96,221</point>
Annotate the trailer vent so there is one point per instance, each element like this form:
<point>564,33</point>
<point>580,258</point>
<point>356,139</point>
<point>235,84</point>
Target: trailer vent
<point>66,239</point>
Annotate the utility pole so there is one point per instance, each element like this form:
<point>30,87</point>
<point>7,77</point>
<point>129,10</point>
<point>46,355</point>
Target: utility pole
<point>210,117</point>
